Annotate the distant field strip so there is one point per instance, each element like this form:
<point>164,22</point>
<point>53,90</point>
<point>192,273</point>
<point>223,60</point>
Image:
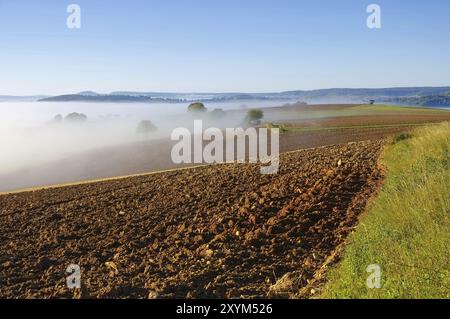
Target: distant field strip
<point>309,129</point>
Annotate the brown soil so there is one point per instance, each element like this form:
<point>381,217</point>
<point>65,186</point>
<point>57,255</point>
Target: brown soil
<point>151,156</point>
<point>215,231</point>
<point>370,120</point>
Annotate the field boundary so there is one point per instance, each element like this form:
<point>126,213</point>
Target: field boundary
<point>404,231</point>
<point>368,195</point>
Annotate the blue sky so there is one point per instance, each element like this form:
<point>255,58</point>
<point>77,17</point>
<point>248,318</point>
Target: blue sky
<point>221,46</point>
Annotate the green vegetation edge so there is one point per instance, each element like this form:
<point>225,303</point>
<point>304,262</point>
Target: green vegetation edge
<point>406,230</point>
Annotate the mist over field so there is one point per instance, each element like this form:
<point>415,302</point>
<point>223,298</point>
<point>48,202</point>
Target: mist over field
<point>29,135</point>
<point>214,150</point>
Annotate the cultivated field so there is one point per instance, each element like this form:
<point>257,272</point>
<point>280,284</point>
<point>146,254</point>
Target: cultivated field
<point>219,231</point>
<point>222,231</point>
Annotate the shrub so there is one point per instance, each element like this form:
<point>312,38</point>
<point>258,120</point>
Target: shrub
<point>402,137</point>
<point>76,117</point>
<point>145,127</point>
<point>218,113</point>
<point>58,118</point>
<point>197,107</point>
<point>254,116</point>
<point>281,127</point>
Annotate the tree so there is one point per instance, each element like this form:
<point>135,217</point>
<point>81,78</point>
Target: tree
<point>58,118</point>
<point>76,117</point>
<point>254,116</point>
<point>218,113</point>
<point>197,107</point>
<point>146,127</point>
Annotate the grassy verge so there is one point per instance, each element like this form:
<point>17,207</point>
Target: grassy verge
<point>407,230</point>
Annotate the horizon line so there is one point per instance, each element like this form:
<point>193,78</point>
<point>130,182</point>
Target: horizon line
<point>229,92</point>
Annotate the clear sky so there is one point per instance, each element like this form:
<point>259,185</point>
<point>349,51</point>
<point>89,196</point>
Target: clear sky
<point>221,45</point>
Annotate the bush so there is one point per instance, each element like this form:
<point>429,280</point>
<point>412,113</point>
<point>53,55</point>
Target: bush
<point>218,113</point>
<point>76,117</point>
<point>145,127</point>
<point>197,107</point>
<point>58,118</point>
<point>254,116</point>
<point>281,127</point>
<point>402,137</point>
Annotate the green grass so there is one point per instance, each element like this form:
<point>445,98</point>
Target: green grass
<point>407,229</point>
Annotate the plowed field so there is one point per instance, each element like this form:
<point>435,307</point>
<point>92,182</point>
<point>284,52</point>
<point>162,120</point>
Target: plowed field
<point>214,231</point>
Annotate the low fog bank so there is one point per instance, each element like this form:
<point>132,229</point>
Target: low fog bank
<point>75,140</point>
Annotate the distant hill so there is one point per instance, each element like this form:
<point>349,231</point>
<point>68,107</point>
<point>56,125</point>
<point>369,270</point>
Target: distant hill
<point>89,93</point>
<point>382,92</point>
<point>433,100</point>
<point>107,98</point>
<point>335,95</point>
<point>156,98</point>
